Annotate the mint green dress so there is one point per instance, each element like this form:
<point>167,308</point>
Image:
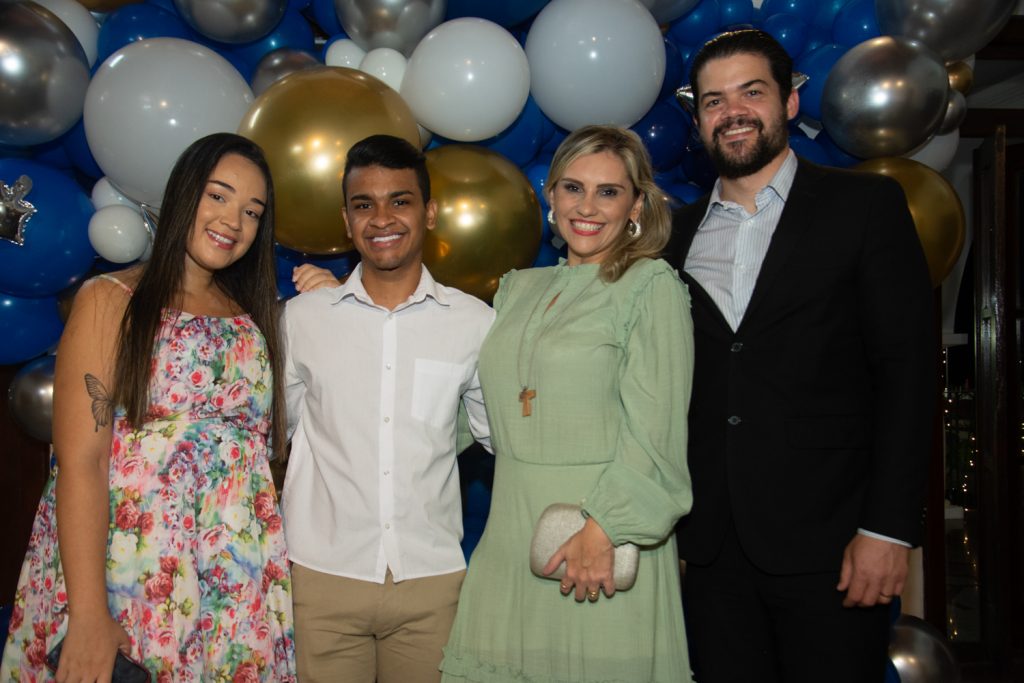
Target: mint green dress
<point>611,365</point>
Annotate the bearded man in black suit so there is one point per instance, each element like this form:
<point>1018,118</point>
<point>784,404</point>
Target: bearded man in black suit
<point>814,390</point>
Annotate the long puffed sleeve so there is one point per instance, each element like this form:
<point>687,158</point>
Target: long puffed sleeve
<point>646,488</point>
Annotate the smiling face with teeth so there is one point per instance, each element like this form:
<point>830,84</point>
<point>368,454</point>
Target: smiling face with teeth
<point>228,216</point>
<point>741,116</point>
<point>592,202</point>
<point>387,219</point>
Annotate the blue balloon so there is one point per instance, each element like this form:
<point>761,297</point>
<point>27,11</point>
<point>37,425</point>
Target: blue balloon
<point>695,25</point>
<point>790,30</point>
<point>555,140</point>
<point>537,174</point>
<point>814,42</point>
<point>548,254</point>
<point>825,17</point>
<point>505,13</point>
<point>674,65</point>
<point>130,23</point>
<point>817,65</point>
<point>734,13</point>
<point>77,148</point>
<point>293,31</point>
<point>326,17</point>
<point>521,141</point>
<point>298,5</point>
<point>855,23</point>
<point>164,4</point>
<point>287,259</point>
<point>838,156</point>
<point>56,252</point>
<point>805,9</point>
<point>697,167</point>
<point>809,149</point>
<point>31,327</point>
<point>54,155</point>
<point>664,130</point>
<point>684,193</point>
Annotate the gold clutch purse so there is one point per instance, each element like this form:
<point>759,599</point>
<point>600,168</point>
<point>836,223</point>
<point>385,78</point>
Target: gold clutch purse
<point>557,523</point>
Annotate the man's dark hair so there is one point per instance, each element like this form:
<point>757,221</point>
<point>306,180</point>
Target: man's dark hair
<point>745,41</point>
<point>391,152</point>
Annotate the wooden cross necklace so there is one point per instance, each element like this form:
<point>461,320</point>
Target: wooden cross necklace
<point>526,394</point>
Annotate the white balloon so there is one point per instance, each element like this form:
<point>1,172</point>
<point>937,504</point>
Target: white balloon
<point>344,52</point>
<point>118,233</point>
<point>105,194</point>
<point>467,80</point>
<point>595,61</point>
<point>79,20</point>
<point>939,151</point>
<point>386,64</point>
<point>149,101</point>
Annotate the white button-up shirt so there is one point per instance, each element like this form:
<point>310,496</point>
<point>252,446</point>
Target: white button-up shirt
<point>731,243</point>
<point>373,397</point>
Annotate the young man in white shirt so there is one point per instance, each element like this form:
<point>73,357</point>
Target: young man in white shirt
<point>375,372</point>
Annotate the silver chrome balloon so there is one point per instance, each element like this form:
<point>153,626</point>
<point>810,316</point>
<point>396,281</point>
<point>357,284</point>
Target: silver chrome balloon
<point>232,21</point>
<point>398,24</point>
<point>884,97</point>
<point>956,111</point>
<point>44,74</point>
<point>30,398</point>
<point>277,64</point>
<point>953,28</point>
<point>920,653</point>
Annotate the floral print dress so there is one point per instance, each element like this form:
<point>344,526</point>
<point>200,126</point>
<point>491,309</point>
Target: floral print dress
<point>197,571</point>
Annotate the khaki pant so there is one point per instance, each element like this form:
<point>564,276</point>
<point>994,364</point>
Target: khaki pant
<point>353,631</point>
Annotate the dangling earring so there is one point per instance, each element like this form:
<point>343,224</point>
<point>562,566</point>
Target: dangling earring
<point>551,218</point>
<point>634,229</point>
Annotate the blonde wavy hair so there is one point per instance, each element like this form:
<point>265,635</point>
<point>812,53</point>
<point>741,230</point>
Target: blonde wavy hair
<point>655,220</point>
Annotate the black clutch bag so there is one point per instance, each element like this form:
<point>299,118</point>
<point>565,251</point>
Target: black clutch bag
<point>556,525</point>
<point>126,669</point>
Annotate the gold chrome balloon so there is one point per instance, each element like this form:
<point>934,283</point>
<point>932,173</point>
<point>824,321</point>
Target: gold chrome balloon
<point>961,77</point>
<point>935,206</point>
<point>488,219</point>
<point>306,122</point>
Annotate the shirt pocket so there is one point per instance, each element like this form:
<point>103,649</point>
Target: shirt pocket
<point>436,388</point>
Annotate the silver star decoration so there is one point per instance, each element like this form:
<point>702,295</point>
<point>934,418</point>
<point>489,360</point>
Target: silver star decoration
<point>685,94</point>
<point>15,212</point>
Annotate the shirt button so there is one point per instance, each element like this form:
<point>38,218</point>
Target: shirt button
<point>387,419</point>
<point>737,347</point>
<point>387,472</point>
<point>387,525</point>
<point>734,420</point>
<point>388,366</point>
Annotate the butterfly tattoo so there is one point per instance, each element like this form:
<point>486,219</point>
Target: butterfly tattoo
<point>102,406</point>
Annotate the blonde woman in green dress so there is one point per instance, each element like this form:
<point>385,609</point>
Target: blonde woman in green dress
<point>586,375</point>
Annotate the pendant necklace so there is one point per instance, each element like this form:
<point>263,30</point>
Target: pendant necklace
<point>526,394</point>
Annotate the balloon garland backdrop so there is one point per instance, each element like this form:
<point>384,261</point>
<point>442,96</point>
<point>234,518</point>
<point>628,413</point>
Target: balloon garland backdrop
<point>129,84</point>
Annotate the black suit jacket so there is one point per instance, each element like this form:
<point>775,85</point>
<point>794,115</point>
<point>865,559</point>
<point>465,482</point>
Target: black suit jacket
<point>815,417</point>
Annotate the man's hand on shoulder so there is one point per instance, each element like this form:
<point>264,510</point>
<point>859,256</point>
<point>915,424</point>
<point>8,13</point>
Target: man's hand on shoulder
<point>308,277</point>
<point>873,571</point>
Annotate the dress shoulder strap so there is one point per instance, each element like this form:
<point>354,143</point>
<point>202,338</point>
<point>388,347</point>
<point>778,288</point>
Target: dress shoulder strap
<point>111,278</point>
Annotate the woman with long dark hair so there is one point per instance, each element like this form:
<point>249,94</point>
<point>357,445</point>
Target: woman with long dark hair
<point>159,537</point>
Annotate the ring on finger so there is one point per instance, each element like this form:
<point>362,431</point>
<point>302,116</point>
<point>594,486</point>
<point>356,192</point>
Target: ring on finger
<point>592,595</point>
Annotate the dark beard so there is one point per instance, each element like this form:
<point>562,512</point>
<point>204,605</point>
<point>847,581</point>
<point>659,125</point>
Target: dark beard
<point>768,146</point>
